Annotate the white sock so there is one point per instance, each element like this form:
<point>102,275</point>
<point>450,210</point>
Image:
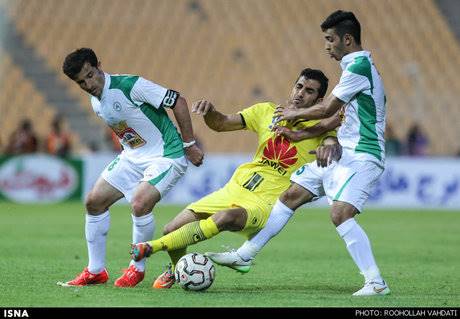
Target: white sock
<point>96,229</point>
<point>359,247</point>
<point>278,218</point>
<point>143,229</point>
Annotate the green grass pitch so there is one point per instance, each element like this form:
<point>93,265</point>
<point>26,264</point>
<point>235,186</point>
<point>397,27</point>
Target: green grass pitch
<point>307,265</point>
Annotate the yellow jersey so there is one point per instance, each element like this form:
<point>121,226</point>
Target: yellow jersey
<point>276,158</point>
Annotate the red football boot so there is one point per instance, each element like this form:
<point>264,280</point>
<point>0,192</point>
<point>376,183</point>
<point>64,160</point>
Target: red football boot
<point>86,278</point>
<point>130,278</point>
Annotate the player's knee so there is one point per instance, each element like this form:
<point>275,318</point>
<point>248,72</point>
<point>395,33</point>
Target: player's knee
<point>341,212</point>
<point>340,216</point>
<point>140,207</point>
<point>169,228</point>
<point>295,197</point>
<point>94,204</point>
<point>230,220</point>
<point>336,217</point>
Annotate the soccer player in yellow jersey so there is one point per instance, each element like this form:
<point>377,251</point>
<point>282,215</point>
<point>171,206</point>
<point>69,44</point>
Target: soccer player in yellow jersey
<point>245,202</point>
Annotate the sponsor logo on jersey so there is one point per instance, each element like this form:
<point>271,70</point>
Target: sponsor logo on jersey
<point>128,134</point>
<point>279,154</point>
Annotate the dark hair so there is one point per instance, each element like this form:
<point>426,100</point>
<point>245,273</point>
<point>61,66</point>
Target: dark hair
<point>317,75</point>
<point>343,22</point>
<point>74,61</point>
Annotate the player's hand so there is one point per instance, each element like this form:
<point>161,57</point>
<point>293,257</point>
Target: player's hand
<point>283,113</point>
<point>291,135</point>
<point>326,154</point>
<point>202,107</point>
<point>194,154</point>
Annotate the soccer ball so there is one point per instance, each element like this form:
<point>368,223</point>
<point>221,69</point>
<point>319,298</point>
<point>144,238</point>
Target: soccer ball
<point>194,272</point>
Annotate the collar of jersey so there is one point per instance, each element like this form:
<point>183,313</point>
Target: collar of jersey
<point>106,85</point>
<point>350,57</point>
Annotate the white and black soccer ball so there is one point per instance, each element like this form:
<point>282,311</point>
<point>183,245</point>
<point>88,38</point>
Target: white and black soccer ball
<point>195,272</point>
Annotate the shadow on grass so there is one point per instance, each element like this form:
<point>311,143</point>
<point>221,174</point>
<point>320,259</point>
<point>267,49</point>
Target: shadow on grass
<point>294,287</point>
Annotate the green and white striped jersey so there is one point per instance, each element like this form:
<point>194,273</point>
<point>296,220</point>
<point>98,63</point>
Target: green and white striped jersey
<point>134,108</point>
<point>361,88</point>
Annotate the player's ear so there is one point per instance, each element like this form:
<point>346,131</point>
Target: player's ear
<point>99,64</point>
<point>319,100</point>
<point>348,39</point>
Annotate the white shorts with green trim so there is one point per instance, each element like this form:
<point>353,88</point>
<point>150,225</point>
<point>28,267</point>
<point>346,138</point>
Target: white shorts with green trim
<point>163,173</point>
<point>348,180</point>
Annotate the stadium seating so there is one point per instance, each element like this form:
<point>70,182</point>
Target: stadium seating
<point>238,52</point>
<point>20,100</point>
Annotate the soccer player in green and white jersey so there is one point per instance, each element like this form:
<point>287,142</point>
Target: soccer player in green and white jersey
<point>347,182</point>
<point>153,159</point>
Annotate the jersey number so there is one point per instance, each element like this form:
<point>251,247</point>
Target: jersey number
<point>252,183</point>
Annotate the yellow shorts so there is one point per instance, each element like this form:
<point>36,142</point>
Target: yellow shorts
<point>231,196</point>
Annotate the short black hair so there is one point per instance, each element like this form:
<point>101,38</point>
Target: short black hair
<point>343,22</point>
<point>74,61</point>
<point>317,75</point>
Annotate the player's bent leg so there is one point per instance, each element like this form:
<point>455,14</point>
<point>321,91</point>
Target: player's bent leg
<point>359,247</point>
<point>178,226</point>
<point>101,197</point>
<point>184,217</point>
<point>166,279</point>
<point>294,197</point>
<point>97,224</point>
<point>191,233</point>
<point>233,219</point>
<point>142,203</point>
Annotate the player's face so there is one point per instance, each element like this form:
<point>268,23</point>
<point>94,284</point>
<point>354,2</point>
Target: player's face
<point>333,44</point>
<point>90,79</point>
<point>304,93</point>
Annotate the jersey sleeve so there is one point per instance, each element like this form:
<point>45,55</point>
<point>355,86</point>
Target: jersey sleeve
<point>252,116</point>
<point>153,94</point>
<point>349,85</point>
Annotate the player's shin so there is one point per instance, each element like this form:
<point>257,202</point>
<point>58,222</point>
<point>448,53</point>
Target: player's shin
<point>96,229</point>
<point>188,234</point>
<point>359,247</point>
<point>143,230</point>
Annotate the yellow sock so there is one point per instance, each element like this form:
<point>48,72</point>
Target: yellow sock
<point>188,234</point>
<point>175,255</point>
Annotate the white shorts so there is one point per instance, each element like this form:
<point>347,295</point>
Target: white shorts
<point>347,181</point>
<point>163,173</point>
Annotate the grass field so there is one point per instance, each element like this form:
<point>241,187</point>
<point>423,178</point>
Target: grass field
<point>307,265</point>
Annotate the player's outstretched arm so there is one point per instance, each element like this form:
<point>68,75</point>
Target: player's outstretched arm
<point>215,120</point>
<point>182,115</point>
<point>326,108</point>
<point>324,126</point>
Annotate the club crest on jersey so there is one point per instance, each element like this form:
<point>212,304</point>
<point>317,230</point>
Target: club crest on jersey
<point>279,154</point>
<point>117,106</point>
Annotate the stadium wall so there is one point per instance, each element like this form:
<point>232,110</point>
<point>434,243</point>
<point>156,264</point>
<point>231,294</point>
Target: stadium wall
<point>420,183</point>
